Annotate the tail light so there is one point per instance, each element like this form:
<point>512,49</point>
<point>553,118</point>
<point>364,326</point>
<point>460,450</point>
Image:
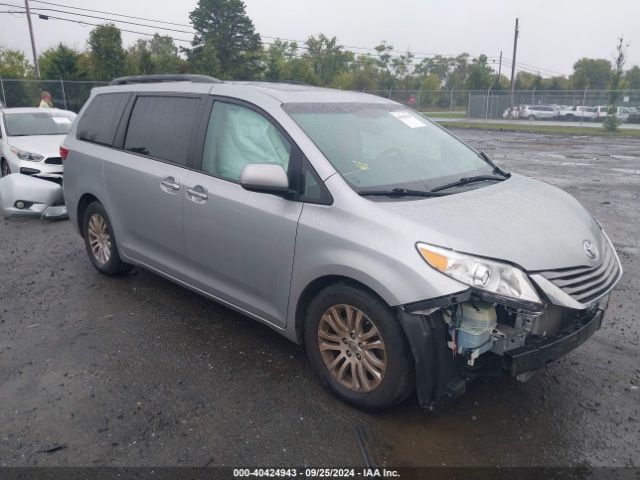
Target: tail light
<point>64,151</point>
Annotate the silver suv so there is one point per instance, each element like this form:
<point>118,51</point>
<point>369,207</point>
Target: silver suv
<point>403,259</point>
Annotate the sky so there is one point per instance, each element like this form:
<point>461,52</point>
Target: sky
<point>553,34</point>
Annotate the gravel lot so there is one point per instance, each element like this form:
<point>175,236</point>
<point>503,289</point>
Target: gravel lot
<point>139,371</point>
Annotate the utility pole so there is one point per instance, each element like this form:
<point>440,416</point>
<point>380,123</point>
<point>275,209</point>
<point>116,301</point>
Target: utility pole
<point>513,63</point>
<point>33,41</point>
<point>499,70</point>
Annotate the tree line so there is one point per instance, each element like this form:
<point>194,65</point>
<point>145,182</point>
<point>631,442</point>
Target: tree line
<point>227,46</point>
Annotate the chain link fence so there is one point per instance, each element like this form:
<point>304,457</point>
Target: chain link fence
<point>492,104</point>
<point>452,103</point>
<point>441,102</point>
<point>66,94</point>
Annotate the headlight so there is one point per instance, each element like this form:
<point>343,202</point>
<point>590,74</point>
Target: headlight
<point>22,155</point>
<point>500,280</point>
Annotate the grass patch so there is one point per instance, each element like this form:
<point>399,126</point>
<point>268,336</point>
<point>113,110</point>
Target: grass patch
<point>446,114</point>
<point>545,129</point>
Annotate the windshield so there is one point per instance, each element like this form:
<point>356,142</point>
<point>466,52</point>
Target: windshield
<point>381,146</point>
<point>38,123</point>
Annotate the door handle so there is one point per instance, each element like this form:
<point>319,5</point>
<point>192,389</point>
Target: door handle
<point>197,194</point>
<point>169,183</point>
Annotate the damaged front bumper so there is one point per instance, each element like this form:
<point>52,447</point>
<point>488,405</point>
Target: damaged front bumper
<point>516,342</point>
<point>540,351</point>
<point>32,196</point>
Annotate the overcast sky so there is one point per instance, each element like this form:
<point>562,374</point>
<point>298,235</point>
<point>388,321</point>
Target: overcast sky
<point>553,34</point>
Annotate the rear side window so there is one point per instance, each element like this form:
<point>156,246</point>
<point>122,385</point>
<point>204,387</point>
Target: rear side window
<point>100,120</point>
<point>161,127</point>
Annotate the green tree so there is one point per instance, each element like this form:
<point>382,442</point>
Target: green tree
<point>457,78</point>
<point>61,62</point>
<point>14,64</point>
<point>203,59</point>
<point>278,60</point>
<point>555,83</point>
<point>139,60</point>
<point>594,73</point>
<point>226,33</point>
<point>164,55</point>
<point>480,74</point>
<point>611,121</point>
<point>362,75</point>
<point>328,59</point>
<point>528,81</point>
<point>632,78</point>
<point>108,56</point>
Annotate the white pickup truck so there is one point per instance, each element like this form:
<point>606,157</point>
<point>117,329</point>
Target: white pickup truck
<point>577,113</point>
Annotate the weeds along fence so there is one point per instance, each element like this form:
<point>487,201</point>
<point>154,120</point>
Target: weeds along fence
<point>66,94</point>
<point>71,95</point>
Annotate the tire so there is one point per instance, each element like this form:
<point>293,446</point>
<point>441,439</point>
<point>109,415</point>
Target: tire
<point>100,241</point>
<point>531,117</point>
<point>4,168</point>
<point>338,313</point>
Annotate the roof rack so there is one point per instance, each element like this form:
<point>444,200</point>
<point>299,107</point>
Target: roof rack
<point>164,78</point>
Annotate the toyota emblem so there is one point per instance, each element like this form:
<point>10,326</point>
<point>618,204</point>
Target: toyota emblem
<point>590,249</point>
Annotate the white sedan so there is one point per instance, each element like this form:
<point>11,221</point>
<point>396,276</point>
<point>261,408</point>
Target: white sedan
<point>30,141</point>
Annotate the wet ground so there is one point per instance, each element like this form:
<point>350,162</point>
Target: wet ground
<point>139,371</point>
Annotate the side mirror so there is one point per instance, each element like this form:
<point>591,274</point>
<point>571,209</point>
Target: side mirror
<point>264,177</point>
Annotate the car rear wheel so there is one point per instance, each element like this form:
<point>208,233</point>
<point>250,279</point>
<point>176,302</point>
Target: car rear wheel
<point>358,348</point>
<point>4,168</point>
<point>100,241</point>
<point>531,117</point>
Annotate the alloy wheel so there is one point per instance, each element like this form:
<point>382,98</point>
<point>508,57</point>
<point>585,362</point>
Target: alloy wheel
<point>99,238</point>
<point>352,348</point>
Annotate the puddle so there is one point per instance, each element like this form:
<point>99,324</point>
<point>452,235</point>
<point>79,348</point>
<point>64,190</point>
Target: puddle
<point>626,170</point>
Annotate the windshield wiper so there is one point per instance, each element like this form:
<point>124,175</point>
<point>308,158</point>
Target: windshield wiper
<point>496,169</point>
<point>468,180</point>
<point>400,192</point>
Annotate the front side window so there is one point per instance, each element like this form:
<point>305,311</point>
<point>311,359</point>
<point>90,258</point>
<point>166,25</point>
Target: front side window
<point>38,123</point>
<point>382,146</point>
<point>161,127</point>
<point>238,136</point>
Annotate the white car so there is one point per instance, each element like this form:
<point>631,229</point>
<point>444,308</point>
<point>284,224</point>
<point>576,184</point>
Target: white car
<point>537,112</point>
<point>30,141</point>
<point>603,110</point>
<point>579,112</point>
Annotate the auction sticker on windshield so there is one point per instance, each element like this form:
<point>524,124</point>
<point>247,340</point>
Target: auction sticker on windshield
<point>409,120</point>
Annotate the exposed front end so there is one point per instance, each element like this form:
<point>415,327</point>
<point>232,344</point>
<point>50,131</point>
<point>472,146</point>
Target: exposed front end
<point>489,333</point>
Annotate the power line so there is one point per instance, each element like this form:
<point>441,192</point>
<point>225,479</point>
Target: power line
<point>394,54</point>
<point>300,42</point>
<point>81,22</point>
<point>110,13</point>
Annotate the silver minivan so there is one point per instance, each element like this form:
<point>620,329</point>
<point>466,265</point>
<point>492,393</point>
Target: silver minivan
<point>404,260</point>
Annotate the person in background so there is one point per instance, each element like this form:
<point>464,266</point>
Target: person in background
<point>45,100</point>
<point>412,101</point>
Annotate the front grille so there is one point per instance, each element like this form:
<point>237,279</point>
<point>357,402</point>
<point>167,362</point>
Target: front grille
<point>585,284</point>
<point>53,161</point>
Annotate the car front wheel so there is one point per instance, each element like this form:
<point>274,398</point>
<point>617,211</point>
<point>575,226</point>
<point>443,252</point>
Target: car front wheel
<point>100,241</point>
<point>358,348</point>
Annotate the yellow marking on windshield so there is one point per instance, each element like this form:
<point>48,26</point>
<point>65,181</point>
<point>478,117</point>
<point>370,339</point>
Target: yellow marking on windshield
<point>361,166</point>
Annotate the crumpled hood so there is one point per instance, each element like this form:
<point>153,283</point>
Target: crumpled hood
<point>520,220</point>
<point>47,145</point>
